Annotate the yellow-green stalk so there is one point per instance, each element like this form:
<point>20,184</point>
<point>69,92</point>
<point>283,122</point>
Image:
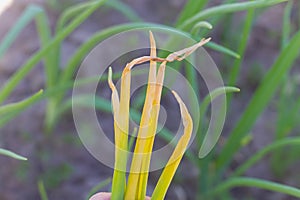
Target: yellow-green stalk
<point>138,175</point>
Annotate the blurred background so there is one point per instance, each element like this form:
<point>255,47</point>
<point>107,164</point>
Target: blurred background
<point>67,169</point>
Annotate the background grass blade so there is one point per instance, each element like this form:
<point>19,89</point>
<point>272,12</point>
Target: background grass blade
<point>123,8</point>
<point>257,183</point>
<point>191,76</point>
<point>70,13</point>
<point>202,24</point>
<point>11,154</point>
<point>204,162</point>
<point>286,27</point>
<point>235,71</point>
<point>20,106</point>
<point>65,18</point>
<point>223,50</point>
<point>214,94</point>
<point>24,70</point>
<point>44,31</point>
<point>227,8</point>
<point>42,190</point>
<point>12,110</point>
<point>268,149</point>
<point>30,13</point>
<point>50,62</point>
<point>260,99</point>
<point>190,9</point>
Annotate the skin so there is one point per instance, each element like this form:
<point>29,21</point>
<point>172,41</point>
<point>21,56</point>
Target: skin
<point>106,196</point>
<point>101,196</point>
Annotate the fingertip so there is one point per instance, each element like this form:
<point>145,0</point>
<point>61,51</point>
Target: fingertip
<point>101,196</point>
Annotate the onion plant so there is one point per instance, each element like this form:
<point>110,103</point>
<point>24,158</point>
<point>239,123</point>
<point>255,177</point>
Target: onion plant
<point>214,179</point>
<point>138,175</point>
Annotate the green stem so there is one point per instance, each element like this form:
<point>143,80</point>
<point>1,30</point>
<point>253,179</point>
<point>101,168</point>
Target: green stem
<point>257,183</point>
<point>260,100</point>
<point>268,149</point>
<point>227,8</point>
<point>286,27</point>
<point>11,154</point>
<point>26,68</point>
<point>235,71</point>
